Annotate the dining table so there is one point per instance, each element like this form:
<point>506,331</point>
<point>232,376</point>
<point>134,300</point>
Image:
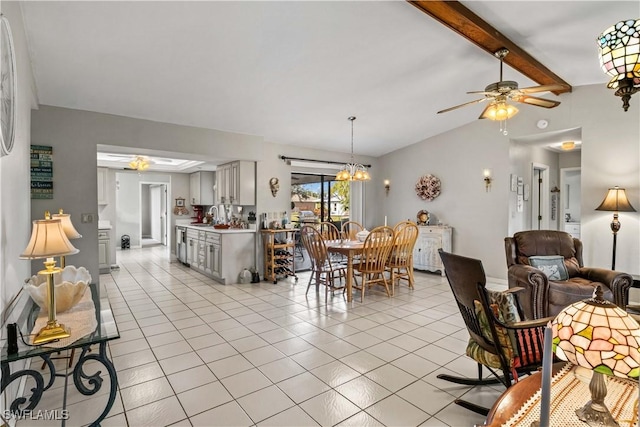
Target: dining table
<point>350,249</point>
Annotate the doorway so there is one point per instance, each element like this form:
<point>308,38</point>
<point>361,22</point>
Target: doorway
<point>542,214</point>
<point>153,214</point>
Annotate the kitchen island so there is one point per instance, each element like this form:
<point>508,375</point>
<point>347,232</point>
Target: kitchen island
<point>220,253</point>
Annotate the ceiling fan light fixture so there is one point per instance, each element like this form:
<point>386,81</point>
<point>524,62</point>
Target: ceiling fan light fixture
<point>500,111</point>
<point>619,53</point>
<point>353,171</point>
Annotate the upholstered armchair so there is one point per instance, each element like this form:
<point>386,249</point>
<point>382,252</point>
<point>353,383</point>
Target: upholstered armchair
<point>560,278</point>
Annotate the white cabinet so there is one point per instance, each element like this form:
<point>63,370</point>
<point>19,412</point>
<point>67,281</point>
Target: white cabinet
<point>236,183</point>
<point>572,228</point>
<point>104,251</point>
<point>201,188</point>
<point>103,193</point>
<point>425,252</point>
<point>193,248</point>
<point>220,254</point>
<point>213,254</point>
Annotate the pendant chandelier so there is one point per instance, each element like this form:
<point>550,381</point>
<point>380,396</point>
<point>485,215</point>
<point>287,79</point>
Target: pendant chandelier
<point>353,171</point>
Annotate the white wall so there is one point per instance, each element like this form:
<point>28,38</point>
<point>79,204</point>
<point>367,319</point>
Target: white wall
<point>129,192</point>
<point>15,180</point>
<point>479,218</point>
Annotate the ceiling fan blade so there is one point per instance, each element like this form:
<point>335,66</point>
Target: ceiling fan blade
<point>484,92</point>
<point>543,88</point>
<point>538,102</point>
<point>462,105</point>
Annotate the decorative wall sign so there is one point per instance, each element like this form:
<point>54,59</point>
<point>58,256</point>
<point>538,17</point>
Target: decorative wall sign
<point>428,187</point>
<point>520,203</point>
<point>41,172</point>
<point>514,182</point>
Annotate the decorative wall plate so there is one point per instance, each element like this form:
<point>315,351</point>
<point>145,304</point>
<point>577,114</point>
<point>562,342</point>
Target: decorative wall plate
<point>428,187</point>
<point>423,217</point>
<point>7,88</point>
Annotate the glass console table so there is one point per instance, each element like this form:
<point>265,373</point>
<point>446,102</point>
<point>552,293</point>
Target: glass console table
<point>87,384</point>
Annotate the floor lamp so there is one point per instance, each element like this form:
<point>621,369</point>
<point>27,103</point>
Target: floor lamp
<point>615,201</point>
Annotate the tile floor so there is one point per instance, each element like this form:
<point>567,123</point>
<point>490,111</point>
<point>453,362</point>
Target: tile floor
<point>193,352</point>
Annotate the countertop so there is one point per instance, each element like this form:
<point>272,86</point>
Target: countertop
<point>214,230</point>
<point>104,225</point>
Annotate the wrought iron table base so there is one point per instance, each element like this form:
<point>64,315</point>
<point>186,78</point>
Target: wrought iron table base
<point>86,384</point>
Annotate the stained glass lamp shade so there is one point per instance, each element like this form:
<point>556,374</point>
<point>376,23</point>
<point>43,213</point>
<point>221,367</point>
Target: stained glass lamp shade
<point>598,335</point>
<point>619,49</point>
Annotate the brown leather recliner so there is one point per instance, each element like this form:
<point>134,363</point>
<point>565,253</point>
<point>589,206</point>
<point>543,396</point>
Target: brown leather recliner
<point>543,297</point>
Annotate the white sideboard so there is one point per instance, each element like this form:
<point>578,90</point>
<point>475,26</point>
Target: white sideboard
<point>425,252</point>
<point>572,228</point>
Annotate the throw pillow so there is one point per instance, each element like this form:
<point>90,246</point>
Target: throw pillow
<point>551,265</point>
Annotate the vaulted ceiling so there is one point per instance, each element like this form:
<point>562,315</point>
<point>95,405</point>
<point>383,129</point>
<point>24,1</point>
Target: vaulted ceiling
<point>294,71</point>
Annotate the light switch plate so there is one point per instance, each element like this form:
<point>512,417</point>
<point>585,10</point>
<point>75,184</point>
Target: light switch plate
<point>86,218</point>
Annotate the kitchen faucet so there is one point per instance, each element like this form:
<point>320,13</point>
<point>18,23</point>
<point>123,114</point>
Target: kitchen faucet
<point>210,212</point>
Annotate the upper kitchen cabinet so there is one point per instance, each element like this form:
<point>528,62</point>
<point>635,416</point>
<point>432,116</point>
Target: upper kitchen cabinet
<point>201,188</point>
<point>236,183</point>
<point>103,193</point>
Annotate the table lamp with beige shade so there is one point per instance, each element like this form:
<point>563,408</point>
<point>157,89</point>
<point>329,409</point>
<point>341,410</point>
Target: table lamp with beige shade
<point>598,335</point>
<point>49,240</point>
<point>69,230</point>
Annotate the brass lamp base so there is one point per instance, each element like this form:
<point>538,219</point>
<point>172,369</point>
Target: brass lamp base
<point>51,332</point>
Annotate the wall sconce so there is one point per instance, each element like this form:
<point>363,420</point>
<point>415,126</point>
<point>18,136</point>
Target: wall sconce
<point>387,186</point>
<point>618,52</point>
<point>487,179</point>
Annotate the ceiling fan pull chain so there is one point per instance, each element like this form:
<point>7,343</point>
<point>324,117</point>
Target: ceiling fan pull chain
<point>503,127</point>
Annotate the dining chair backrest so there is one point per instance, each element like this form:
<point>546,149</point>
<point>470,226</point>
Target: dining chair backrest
<point>314,244</point>
<point>329,231</point>
<point>404,240</point>
<point>350,229</point>
<point>376,249</point>
<point>403,224</point>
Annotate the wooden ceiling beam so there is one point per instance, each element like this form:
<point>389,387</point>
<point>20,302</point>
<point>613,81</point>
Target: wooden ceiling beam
<point>463,21</point>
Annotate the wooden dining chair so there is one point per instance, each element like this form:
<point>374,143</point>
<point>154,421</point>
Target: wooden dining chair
<point>372,262</point>
<point>350,229</point>
<point>324,271</point>
<point>329,231</point>
<point>400,262</point>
